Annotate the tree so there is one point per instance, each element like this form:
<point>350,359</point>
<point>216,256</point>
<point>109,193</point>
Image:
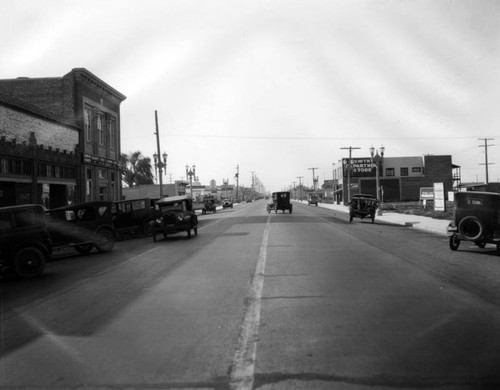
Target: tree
<point>137,169</point>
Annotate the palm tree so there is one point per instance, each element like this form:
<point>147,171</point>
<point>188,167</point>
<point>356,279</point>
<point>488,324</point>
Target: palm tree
<point>137,169</point>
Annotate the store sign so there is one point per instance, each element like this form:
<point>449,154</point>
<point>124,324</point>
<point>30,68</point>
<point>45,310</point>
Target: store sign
<point>360,167</point>
<point>426,193</point>
<point>101,161</point>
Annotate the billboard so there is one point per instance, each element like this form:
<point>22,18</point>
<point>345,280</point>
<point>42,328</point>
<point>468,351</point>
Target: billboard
<point>360,167</point>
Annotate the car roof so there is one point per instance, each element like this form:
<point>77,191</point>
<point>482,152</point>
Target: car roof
<point>21,207</point>
<point>173,199</point>
<point>363,196</point>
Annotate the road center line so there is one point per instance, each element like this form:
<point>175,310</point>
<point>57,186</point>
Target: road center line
<point>243,366</point>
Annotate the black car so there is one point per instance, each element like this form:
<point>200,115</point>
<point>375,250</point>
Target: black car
<point>227,204</point>
<point>476,219</point>
<point>363,206</point>
<point>177,215</point>
<point>25,243</point>
<point>134,216</point>
<point>281,201</point>
<point>82,226</point>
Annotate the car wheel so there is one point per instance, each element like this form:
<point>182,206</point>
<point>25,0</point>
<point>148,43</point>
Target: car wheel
<point>105,241</point>
<point>84,249</point>
<point>454,242</point>
<point>471,227</point>
<point>29,262</point>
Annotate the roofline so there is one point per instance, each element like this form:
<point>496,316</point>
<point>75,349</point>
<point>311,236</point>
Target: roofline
<point>102,84</point>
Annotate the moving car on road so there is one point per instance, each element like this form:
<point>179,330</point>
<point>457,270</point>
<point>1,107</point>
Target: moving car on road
<point>25,243</point>
<point>134,216</point>
<point>281,201</point>
<point>177,215</point>
<point>227,203</point>
<point>476,219</point>
<point>209,205</point>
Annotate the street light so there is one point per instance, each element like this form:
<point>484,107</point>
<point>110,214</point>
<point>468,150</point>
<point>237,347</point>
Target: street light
<point>159,166</point>
<point>377,160</point>
<point>191,172</point>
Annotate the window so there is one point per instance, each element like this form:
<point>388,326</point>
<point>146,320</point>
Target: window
<point>86,121</point>
<point>100,132</point>
<point>89,184</point>
<point>416,169</point>
<point>404,171</point>
<point>112,133</point>
<point>389,171</point>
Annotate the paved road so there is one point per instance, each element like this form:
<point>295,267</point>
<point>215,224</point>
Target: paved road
<point>269,301</point>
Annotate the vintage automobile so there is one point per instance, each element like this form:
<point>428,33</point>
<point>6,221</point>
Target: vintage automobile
<point>227,203</point>
<point>312,199</point>
<point>177,215</point>
<point>476,218</point>
<point>134,216</point>
<point>281,201</point>
<point>82,226</point>
<point>25,243</point>
<point>209,205</point>
<point>363,206</point>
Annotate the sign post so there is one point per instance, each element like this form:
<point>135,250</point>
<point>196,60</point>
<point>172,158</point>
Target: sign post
<point>439,199</point>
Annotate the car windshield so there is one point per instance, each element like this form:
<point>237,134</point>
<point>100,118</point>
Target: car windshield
<point>175,206</point>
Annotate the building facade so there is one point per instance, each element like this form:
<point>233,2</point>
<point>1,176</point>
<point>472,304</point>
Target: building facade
<point>38,156</point>
<point>401,178</point>
<point>91,106</point>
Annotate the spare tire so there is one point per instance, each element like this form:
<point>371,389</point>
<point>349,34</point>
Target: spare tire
<point>471,227</point>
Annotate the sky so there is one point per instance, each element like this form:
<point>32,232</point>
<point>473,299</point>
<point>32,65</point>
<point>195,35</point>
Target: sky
<point>278,87</point>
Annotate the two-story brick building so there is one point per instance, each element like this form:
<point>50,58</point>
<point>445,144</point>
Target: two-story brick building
<point>91,108</point>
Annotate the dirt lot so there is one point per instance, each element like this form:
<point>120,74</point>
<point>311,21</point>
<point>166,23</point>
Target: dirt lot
<point>417,208</point>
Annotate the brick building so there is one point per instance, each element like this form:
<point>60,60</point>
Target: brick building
<point>91,108</point>
<point>38,159</point>
<point>401,178</point>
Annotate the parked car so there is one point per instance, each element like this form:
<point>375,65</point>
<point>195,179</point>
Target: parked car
<point>134,216</point>
<point>476,218</point>
<point>281,201</point>
<point>313,199</point>
<point>363,206</point>
<point>227,203</point>
<point>209,205</point>
<point>25,243</point>
<point>177,215</point>
<point>82,226</point>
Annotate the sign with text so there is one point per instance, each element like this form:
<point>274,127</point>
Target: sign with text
<point>360,167</point>
<point>426,193</point>
<point>439,200</point>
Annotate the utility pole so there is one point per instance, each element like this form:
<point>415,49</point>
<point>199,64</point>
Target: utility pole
<point>485,146</point>
<point>237,176</point>
<point>158,151</point>
<point>294,189</point>
<point>314,178</point>
<point>349,168</point>
<point>300,186</point>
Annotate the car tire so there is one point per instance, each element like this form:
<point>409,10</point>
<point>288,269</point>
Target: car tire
<point>105,240</point>
<point>147,228</point>
<point>471,227</point>
<point>454,242</point>
<point>29,262</point>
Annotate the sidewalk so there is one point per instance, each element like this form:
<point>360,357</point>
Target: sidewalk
<point>437,226</point>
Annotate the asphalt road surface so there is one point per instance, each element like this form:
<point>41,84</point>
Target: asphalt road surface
<point>259,301</point>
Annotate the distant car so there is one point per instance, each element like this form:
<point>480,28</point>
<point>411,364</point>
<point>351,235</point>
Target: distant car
<point>134,216</point>
<point>313,199</point>
<point>476,219</point>
<point>25,243</point>
<point>227,203</point>
<point>209,205</point>
<point>177,215</point>
<point>363,206</point>
<point>281,201</point>
<point>82,226</point>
